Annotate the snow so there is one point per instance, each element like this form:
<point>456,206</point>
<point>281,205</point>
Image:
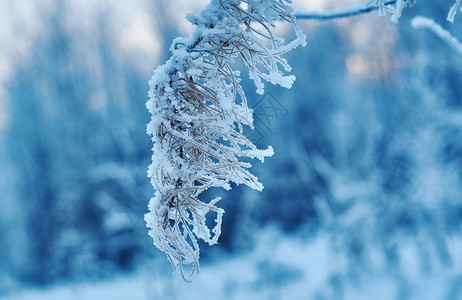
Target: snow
<point>197,102</point>
<point>453,11</point>
<point>116,289</point>
<point>280,267</point>
<point>369,151</point>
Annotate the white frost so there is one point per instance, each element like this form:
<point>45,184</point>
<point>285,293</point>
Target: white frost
<point>453,11</point>
<point>199,112</point>
<point>426,23</point>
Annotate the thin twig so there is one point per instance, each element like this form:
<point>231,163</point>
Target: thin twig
<point>341,13</point>
<point>426,23</point>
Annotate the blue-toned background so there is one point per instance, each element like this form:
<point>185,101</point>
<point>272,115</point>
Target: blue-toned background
<point>362,200</point>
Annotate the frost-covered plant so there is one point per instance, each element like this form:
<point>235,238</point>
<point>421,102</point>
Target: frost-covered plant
<point>199,111</point>
<point>453,11</point>
<point>394,7</point>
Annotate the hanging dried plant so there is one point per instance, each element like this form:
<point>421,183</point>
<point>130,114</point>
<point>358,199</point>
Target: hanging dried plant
<point>199,112</point>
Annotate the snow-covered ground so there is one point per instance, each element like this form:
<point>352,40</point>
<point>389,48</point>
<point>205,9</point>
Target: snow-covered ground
<point>280,267</point>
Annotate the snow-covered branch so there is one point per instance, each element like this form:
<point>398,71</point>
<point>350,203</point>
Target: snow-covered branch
<point>426,23</point>
<point>453,11</point>
<point>199,112</point>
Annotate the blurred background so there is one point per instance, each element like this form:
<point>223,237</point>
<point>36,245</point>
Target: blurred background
<point>362,200</point>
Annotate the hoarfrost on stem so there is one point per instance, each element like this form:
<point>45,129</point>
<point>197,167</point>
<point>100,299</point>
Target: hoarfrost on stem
<point>199,111</point>
<point>422,22</point>
<point>453,11</point>
<point>393,7</point>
